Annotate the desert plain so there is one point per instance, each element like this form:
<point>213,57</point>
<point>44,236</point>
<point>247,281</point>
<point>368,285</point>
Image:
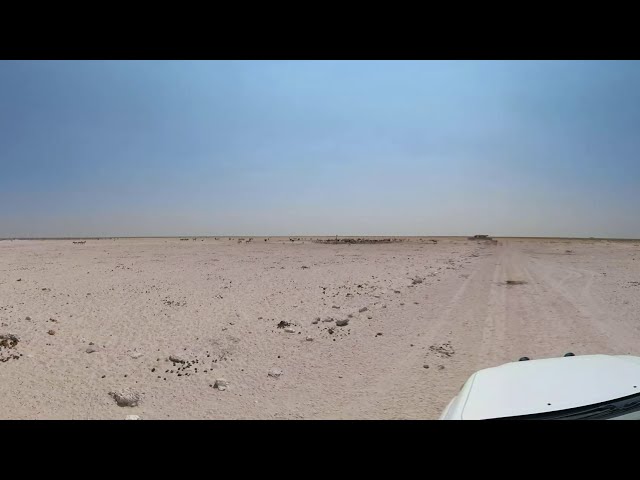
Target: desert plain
<point>294,328</point>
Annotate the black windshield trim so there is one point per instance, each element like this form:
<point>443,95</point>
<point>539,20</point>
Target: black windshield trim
<point>596,411</point>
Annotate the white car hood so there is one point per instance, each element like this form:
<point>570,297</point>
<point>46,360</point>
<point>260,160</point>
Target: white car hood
<point>546,385</point>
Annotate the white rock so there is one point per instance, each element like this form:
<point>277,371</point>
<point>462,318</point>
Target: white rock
<point>126,398</point>
<point>309,339</point>
<point>132,417</point>
<point>275,373</point>
<point>177,359</point>
<point>289,330</point>
<point>136,355</point>
<point>221,384</point>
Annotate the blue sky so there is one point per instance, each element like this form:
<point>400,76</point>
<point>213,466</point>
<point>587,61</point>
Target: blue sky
<point>319,148</point>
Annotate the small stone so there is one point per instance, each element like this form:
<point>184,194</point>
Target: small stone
<point>51,332</point>
<point>9,340</point>
<point>396,291</point>
<point>363,309</point>
<point>315,320</point>
<point>19,280</point>
<point>309,339</point>
<point>177,359</point>
<point>289,330</point>
<point>425,366</point>
<point>275,373</point>
<point>401,303</point>
<point>343,322</point>
<point>350,315</point>
<point>27,318</point>
<point>369,317</point>
<point>126,398</point>
<point>221,384</point>
<point>132,417</point>
<point>91,350</point>
<point>335,306</point>
<point>327,319</point>
<point>136,355</point>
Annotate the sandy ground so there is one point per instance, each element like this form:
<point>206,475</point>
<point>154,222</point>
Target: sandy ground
<point>216,304</point>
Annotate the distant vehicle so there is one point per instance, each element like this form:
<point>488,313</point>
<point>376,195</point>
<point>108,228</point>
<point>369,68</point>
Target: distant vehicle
<point>480,237</point>
<point>593,387</point>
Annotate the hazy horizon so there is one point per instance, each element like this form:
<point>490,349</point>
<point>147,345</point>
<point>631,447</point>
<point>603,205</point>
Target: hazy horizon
<point>319,148</point>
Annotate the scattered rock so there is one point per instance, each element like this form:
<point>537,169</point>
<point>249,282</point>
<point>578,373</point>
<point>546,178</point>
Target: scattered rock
<point>177,359</point>
<point>416,281</point>
<point>19,280</point>
<point>309,339</point>
<point>126,398</point>
<point>9,340</point>
<point>350,315</point>
<point>289,330</point>
<point>275,373</point>
<point>363,309</point>
<point>132,417</point>
<point>221,384</point>
<point>91,350</point>
<point>327,319</point>
<point>335,306</point>
<point>27,318</point>
<point>343,322</point>
<point>283,324</point>
<point>425,366</point>
<point>396,291</point>
<point>51,332</point>
<point>379,334</point>
<point>136,355</point>
<point>315,320</point>
<point>369,317</point>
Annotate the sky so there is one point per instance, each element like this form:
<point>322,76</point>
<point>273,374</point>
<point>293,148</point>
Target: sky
<point>154,148</point>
